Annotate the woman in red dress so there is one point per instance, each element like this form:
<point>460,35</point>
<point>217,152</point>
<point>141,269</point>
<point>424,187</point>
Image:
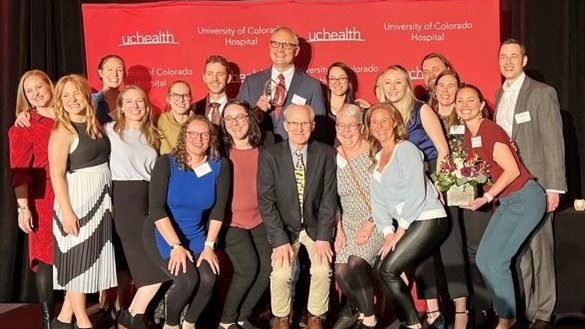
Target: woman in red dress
<point>30,179</point>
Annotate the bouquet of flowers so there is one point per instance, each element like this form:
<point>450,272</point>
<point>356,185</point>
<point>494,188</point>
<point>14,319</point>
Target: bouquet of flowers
<point>460,176</point>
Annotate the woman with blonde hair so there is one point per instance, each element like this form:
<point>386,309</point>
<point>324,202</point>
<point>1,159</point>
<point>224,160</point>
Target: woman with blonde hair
<point>425,131</point>
<point>134,143</point>
<point>400,191</point>
<point>29,166</point>
<point>82,225</point>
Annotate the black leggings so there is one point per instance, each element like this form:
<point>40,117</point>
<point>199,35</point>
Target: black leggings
<point>419,241</point>
<point>44,281</point>
<point>194,287</point>
<point>355,280</point>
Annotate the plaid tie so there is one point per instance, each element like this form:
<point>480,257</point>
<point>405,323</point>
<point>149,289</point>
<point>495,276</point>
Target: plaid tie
<point>300,178</point>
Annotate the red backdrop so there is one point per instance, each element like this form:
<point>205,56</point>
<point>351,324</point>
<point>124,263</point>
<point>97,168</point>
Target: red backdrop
<point>165,41</point>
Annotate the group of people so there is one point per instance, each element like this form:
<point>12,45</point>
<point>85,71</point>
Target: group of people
<point>105,188</point>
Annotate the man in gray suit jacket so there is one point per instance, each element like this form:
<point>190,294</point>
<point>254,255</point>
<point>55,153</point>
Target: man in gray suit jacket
<point>297,196</point>
<point>301,89</point>
<point>529,112</point>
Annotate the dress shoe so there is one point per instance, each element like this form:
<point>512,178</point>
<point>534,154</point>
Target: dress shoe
<point>280,322</point>
<point>314,322</point>
<point>56,324</point>
<point>540,324</point>
<point>103,319</point>
<point>361,325</point>
<point>347,318</point>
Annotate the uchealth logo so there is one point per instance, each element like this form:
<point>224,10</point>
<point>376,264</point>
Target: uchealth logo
<point>158,38</point>
<point>347,34</point>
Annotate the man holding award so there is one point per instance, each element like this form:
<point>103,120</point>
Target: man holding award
<point>281,85</point>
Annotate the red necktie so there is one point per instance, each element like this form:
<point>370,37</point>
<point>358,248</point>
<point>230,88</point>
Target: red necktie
<point>214,113</point>
<point>279,95</point>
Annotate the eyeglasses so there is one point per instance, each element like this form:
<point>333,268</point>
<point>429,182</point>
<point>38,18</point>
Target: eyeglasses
<point>176,97</point>
<point>240,118</point>
<point>297,125</point>
<point>283,44</point>
<point>196,135</point>
<point>333,80</point>
<point>351,126</point>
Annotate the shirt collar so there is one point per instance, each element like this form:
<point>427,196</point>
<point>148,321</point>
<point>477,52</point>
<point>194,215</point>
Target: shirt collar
<point>288,73</point>
<point>516,85</point>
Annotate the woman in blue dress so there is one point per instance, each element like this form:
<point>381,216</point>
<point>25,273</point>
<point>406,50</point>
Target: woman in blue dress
<point>189,192</point>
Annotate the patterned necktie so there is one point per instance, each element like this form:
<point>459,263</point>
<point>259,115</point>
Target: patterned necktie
<point>279,95</point>
<point>214,109</point>
<point>300,178</point>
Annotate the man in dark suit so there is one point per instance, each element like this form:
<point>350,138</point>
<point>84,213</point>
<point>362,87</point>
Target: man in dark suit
<point>216,77</point>
<point>529,112</point>
<point>299,88</point>
<point>297,198</point>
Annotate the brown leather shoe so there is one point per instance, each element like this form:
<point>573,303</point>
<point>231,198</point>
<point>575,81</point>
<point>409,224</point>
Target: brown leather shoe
<point>280,322</point>
<point>314,322</point>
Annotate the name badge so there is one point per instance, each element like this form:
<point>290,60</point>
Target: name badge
<point>457,130</point>
<point>202,170</point>
<point>298,100</point>
<point>476,142</point>
<point>341,162</point>
<point>522,117</point>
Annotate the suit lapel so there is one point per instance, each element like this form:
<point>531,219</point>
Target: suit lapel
<point>310,164</point>
<point>294,85</point>
<point>498,98</point>
<point>288,169</point>
<point>520,104</point>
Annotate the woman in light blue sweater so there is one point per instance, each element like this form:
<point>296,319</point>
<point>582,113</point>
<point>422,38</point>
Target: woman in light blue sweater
<point>401,194</point>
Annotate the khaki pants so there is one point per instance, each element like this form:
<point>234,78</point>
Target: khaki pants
<point>281,282</point>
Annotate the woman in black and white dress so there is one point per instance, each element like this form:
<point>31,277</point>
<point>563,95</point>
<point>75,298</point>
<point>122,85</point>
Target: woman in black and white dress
<point>82,226</point>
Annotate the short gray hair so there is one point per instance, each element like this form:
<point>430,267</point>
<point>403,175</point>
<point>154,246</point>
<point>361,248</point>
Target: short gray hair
<point>352,110</point>
<point>296,106</point>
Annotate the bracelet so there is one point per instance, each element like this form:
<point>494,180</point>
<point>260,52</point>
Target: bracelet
<point>178,244</point>
<point>21,209</point>
<point>488,196</point>
<point>210,244</point>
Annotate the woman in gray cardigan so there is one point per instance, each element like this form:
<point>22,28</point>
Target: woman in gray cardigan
<point>401,193</point>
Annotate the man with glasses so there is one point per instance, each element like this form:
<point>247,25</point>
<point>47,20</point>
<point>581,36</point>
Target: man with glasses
<point>282,84</point>
<point>297,198</point>
<point>216,77</point>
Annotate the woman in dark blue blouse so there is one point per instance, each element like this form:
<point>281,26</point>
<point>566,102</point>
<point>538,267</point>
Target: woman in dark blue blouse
<point>188,193</point>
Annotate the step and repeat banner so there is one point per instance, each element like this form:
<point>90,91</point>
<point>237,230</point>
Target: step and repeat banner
<point>165,41</point>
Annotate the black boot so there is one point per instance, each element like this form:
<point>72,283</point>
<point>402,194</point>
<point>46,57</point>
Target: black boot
<point>47,314</point>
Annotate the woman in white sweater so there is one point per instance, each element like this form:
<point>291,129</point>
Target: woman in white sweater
<point>401,192</point>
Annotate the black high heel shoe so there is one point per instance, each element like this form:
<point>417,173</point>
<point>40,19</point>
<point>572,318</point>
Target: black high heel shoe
<point>438,323</point>
<point>47,314</point>
<point>56,324</point>
<point>124,320</point>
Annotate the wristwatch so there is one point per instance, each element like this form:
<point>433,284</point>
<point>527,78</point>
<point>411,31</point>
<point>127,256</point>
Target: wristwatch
<point>178,244</point>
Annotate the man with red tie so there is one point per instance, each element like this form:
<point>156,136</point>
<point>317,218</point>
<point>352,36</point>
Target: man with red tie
<point>288,83</point>
<point>216,76</point>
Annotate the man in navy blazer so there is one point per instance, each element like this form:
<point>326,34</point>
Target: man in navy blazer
<point>301,89</point>
<point>529,112</point>
<point>296,214</point>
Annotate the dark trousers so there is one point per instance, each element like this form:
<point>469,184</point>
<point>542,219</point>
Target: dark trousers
<point>249,252</point>
<point>419,241</point>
